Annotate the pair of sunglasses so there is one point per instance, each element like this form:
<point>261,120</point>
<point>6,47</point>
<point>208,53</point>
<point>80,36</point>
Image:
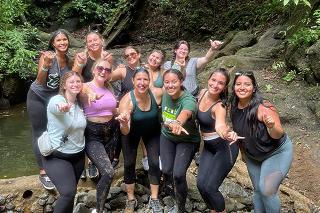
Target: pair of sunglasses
<point>100,69</point>
<point>132,55</point>
<point>246,73</point>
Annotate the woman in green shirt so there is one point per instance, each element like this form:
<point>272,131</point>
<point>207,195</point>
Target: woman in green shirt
<point>179,138</point>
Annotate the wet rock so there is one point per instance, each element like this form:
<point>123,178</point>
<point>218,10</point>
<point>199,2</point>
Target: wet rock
<point>2,200</point>
<point>48,209</point>
<point>10,206</point>
<point>80,198</point>
<point>91,200</point>
<point>81,208</point>
<point>145,198</point>
<point>2,208</point>
<point>50,200</point>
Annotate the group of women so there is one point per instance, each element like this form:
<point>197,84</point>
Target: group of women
<point>147,92</point>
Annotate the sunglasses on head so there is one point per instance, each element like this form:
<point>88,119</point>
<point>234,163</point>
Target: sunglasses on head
<point>141,68</point>
<point>130,54</point>
<point>101,69</point>
<point>246,73</point>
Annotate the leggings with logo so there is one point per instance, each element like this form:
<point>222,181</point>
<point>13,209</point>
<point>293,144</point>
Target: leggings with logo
<point>64,170</point>
<point>101,140</point>
<point>266,174</point>
<point>217,159</point>
<point>175,159</point>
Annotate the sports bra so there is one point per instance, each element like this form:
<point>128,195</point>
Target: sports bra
<point>103,107</point>
<point>158,83</point>
<point>126,84</point>
<point>207,123</point>
<point>86,71</point>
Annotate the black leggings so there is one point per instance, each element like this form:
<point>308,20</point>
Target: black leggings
<point>64,171</point>
<point>175,159</point>
<point>217,159</point>
<point>130,145</point>
<point>101,139</point>
<point>37,111</point>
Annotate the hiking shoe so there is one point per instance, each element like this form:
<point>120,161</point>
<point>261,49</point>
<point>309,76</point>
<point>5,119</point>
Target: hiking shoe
<point>173,209</point>
<point>92,169</point>
<point>83,174</point>
<point>145,164</point>
<point>155,205</point>
<point>46,182</point>
<point>130,206</point>
<point>115,164</point>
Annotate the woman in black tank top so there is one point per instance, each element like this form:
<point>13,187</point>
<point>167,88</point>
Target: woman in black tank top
<point>267,149</point>
<point>139,119</point>
<point>94,50</point>
<point>217,157</point>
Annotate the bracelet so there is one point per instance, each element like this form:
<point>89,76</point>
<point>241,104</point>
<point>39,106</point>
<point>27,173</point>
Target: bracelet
<point>44,69</point>
<point>179,122</point>
<point>80,65</point>
<point>124,125</point>
<point>272,128</point>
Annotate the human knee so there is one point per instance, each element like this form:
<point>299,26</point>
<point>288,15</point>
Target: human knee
<point>179,178</point>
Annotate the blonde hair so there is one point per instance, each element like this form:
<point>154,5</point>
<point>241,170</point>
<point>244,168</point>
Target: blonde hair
<point>107,83</point>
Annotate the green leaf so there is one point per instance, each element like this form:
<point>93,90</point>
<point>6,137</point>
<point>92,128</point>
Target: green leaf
<point>296,2</point>
<point>285,2</point>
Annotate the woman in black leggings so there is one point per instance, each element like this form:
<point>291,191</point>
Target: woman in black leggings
<point>139,119</point>
<point>64,166</point>
<point>218,157</point>
<point>52,65</point>
<point>101,133</point>
<point>179,138</point>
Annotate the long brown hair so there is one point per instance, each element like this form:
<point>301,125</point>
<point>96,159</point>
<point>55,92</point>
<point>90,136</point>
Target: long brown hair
<point>64,78</point>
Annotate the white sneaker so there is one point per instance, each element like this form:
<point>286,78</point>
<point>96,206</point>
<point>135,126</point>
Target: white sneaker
<point>145,164</point>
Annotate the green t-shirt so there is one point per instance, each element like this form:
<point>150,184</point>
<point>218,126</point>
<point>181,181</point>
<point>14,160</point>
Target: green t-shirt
<point>171,109</point>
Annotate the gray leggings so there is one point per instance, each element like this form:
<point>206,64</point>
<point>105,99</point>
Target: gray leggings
<point>266,174</point>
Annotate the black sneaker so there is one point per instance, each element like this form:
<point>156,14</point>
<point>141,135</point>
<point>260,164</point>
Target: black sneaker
<point>92,169</point>
<point>115,164</point>
<point>155,205</point>
<point>83,174</point>
<point>46,182</point>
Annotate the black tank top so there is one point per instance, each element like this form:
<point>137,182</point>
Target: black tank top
<point>207,123</point>
<point>263,144</point>
<point>144,122</point>
<point>86,71</point>
<point>126,84</point>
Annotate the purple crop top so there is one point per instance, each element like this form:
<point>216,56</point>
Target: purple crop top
<point>103,107</point>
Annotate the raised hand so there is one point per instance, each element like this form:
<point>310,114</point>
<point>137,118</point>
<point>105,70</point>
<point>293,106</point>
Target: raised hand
<point>124,118</point>
<point>268,121</point>
<point>176,128</point>
<point>231,136</point>
<point>64,107</point>
<point>215,44</point>
<point>81,57</point>
<point>48,57</point>
<point>105,55</point>
<point>92,97</point>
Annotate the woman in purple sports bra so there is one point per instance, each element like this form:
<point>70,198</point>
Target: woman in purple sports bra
<point>101,134</point>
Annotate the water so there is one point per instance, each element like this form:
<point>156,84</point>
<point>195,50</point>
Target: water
<point>16,153</point>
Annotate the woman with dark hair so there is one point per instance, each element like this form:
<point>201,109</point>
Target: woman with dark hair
<point>266,149</point>
<point>124,74</point>
<point>217,157</point>
<point>101,132</point>
<point>179,138</point>
<point>52,65</point>
<point>181,52</point>
<point>94,50</point>
<point>64,165</point>
<point>139,119</point>
<point>155,61</point>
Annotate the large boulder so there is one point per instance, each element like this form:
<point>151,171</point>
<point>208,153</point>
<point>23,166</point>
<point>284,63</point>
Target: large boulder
<point>240,40</point>
<point>266,46</point>
<point>314,58</point>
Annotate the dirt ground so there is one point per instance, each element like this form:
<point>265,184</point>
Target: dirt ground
<point>304,174</point>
